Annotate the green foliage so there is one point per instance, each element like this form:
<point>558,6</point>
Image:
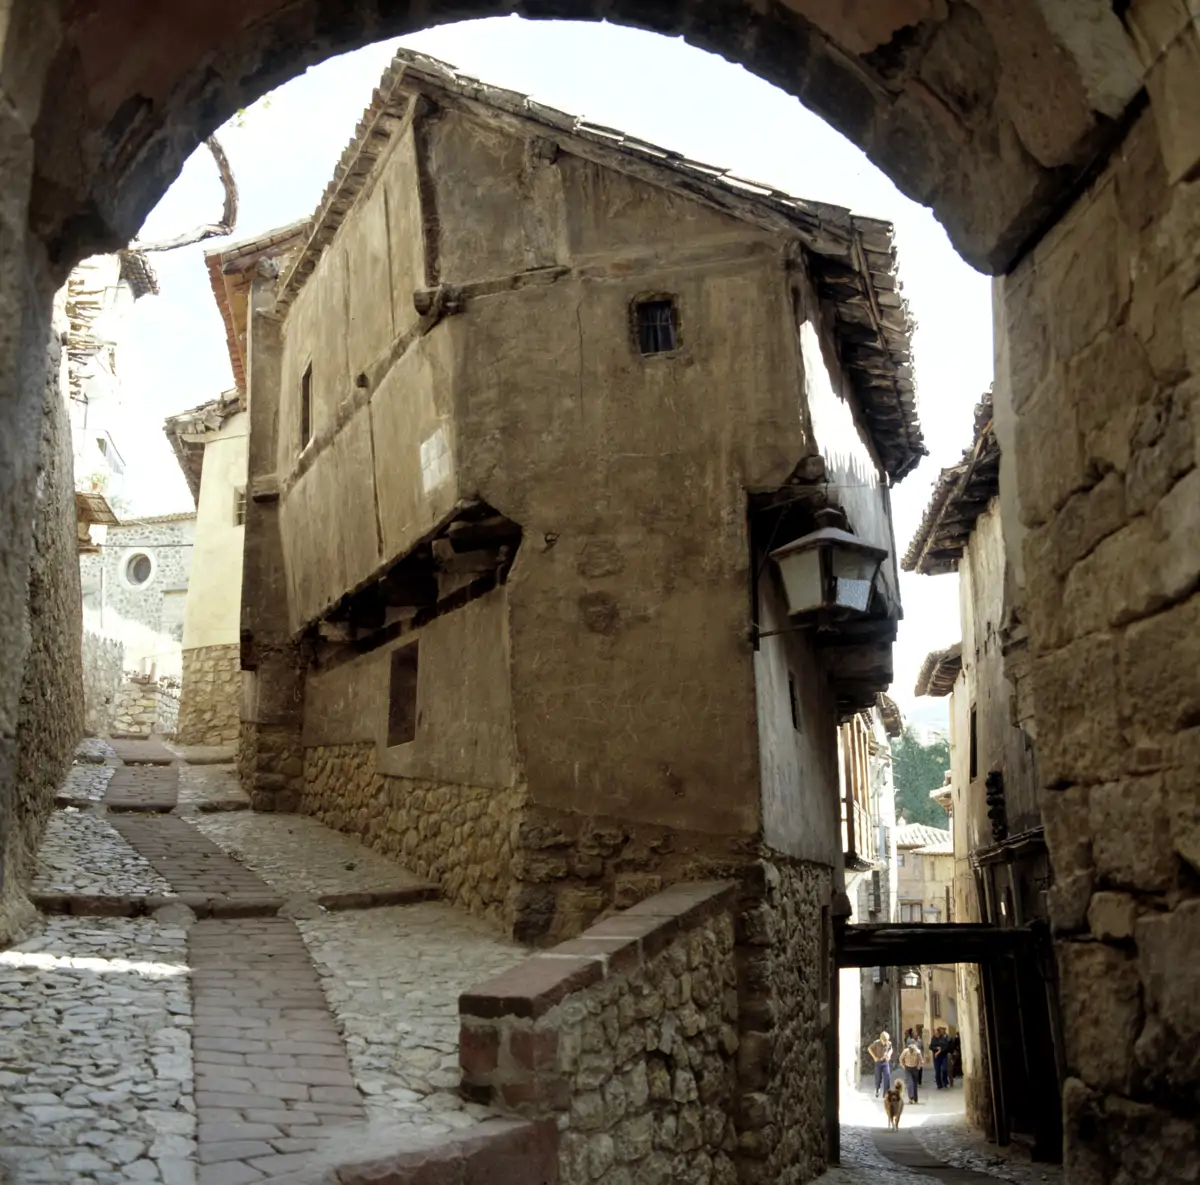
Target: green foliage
<point>917,769</point>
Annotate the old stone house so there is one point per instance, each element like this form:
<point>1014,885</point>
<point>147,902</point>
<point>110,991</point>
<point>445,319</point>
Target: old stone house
<point>869,996</point>
<point>134,586</point>
<point>209,442</point>
<point>924,879</point>
<point>509,609</point>
<point>1011,1040</point>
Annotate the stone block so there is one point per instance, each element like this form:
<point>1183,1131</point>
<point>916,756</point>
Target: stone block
<point>1170,975</point>
<point>1027,332</point>
<point>1085,519</point>
<point>1049,452</point>
<point>1101,1012</point>
<point>1081,265</point>
<point>1078,688</point>
<point>1171,84</point>
<point>1159,660</point>
<point>1109,380</point>
<point>1112,916</point>
<point>1142,193</point>
<point>1177,524</point>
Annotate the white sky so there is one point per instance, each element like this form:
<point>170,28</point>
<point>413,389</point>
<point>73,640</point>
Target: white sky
<point>660,89</point>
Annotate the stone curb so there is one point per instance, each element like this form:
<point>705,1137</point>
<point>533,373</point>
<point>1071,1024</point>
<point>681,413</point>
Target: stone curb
<point>375,898</point>
<point>495,1152</point>
<point>130,906</point>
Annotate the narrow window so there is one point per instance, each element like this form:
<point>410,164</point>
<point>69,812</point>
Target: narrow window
<point>826,956</point>
<point>656,326</point>
<point>306,407</point>
<point>974,742</point>
<point>239,506</point>
<point>936,1003</point>
<point>794,700</point>
<point>402,696</point>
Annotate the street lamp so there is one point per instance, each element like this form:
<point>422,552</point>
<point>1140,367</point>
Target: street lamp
<point>830,568</point>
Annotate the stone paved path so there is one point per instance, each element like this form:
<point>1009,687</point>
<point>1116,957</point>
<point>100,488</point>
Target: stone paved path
<point>272,1035</point>
<point>215,1040</point>
<point>271,1067</point>
<point>933,1147</point>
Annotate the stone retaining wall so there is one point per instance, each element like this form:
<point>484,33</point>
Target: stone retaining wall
<point>103,674</point>
<point>459,836</point>
<point>787,980</point>
<point>627,1037</point>
<point>211,701</point>
<point>49,709</point>
<point>142,709</point>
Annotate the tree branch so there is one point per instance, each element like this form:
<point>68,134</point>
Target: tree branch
<point>211,230</point>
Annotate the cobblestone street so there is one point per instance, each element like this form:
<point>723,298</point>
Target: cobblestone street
<point>218,997</point>
<point>933,1145</point>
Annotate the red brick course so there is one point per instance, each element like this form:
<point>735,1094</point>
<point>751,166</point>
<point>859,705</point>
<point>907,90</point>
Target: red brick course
<point>150,790</point>
<point>271,1072</point>
<point>206,879</point>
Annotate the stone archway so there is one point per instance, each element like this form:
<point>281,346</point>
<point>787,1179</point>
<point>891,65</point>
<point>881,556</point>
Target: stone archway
<point>1059,143</point>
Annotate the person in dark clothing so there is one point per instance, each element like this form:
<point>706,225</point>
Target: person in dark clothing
<point>940,1048</point>
<point>954,1063</point>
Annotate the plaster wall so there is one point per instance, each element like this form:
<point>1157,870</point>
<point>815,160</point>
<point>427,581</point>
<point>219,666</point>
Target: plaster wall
<point>626,474</point>
<point>464,722</point>
<point>798,760</point>
<point>925,878</point>
<point>215,580</point>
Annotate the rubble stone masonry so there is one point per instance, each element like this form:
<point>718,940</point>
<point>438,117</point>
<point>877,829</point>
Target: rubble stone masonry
<point>785,985</point>
<point>50,710</point>
<point>211,700</point>
<point>459,836</point>
<point>626,1037</point>
<point>1100,344</point>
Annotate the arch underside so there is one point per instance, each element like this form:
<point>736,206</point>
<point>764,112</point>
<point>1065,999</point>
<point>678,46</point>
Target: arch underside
<point>991,112</point>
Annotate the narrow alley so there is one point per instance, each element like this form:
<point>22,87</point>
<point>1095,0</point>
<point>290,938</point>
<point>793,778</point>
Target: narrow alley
<point>218,997</point>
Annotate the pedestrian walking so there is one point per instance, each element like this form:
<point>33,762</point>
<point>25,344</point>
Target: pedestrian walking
<point>940,1048</point>
<point>880,1052</point>
<point>911,1061</point>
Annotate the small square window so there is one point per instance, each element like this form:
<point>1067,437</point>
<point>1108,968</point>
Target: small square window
<point>402,696</point>
<point>239,506</point>
<point>657,326</point>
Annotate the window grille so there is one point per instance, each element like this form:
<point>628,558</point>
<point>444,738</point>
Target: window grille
<point>657,329</point>
<point>239,506</point>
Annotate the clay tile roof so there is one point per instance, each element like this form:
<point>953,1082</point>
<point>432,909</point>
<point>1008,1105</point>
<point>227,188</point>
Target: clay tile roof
<point>138,274</point>
<point>207,417</point>
<point>920,837</point>
<point>231,269</point>
<point>960,496</point>
<point>939,671</point>
<point>852,258</point>
<point>179,516</point>
<point>889,713</point>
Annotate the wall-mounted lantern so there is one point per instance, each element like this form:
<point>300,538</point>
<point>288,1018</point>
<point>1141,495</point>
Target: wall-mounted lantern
<point>830,568</point>
<point>911,978</point>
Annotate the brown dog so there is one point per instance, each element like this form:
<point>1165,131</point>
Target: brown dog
<point>893,1105</point>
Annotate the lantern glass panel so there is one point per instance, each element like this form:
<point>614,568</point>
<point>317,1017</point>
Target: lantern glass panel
<point>801,572</point>
<point>852,594</point>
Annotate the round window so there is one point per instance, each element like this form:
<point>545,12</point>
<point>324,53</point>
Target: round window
<point>138,568</point>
